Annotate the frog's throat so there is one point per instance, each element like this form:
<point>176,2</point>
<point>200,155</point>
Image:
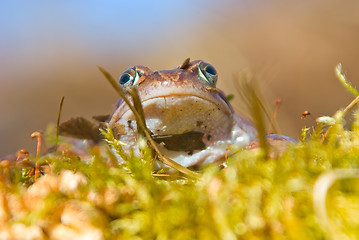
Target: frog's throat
<point>221,104</point>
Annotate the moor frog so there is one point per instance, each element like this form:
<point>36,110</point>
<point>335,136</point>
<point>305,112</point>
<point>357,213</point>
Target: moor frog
<point>190,119</point>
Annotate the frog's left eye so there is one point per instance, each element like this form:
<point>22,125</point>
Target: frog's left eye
<point>207,74</point>
<point>129,77</point>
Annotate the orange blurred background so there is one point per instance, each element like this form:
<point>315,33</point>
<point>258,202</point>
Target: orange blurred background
<point>52,49</point>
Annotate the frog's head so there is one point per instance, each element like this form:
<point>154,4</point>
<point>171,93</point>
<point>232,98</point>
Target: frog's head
<point>184,110</point>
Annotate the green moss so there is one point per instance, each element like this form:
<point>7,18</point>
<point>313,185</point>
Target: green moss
<point>253,198</point>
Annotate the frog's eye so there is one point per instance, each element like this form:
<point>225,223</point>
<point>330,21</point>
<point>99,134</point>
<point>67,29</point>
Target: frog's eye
<point>207,74</point>
<point>129,77</point>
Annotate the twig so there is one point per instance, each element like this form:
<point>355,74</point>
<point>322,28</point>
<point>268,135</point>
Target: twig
<point>38,136</point>
<point>58,123</point>
<point>350,105</point>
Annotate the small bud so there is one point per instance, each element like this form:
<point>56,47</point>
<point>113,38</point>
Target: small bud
<point>326,120</point>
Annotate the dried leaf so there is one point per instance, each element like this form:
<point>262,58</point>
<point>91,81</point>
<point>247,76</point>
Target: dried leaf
<point>101,118</point>
<point>182,142</point>
<point>81,128</point>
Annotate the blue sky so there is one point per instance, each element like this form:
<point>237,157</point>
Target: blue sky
<point>28,23</point>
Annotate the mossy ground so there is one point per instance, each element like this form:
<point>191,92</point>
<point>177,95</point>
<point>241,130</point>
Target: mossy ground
<point>255,197</point>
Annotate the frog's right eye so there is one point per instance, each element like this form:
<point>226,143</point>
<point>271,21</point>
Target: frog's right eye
<point>129,77</point>
<point>207,74</point>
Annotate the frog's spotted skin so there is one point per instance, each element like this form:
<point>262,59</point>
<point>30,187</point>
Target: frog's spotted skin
<point>183,101</point>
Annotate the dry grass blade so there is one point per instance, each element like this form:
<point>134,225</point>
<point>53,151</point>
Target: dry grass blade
<point>142,125</point>
<point>248,92</point>
<point>138,106</point>
<point>153,144</point>
<point>246,78</point>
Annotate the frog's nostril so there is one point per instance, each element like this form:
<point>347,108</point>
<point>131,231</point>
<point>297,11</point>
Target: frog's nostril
<point>199,123</point>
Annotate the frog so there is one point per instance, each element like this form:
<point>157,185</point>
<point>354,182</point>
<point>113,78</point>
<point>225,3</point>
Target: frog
<point>190,119</point>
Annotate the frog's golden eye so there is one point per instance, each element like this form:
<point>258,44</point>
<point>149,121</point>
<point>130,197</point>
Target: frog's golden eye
<point>129,77</point>
<point>207,74</point>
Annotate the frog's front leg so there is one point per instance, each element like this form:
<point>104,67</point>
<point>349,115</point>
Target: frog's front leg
<point>277,144</point>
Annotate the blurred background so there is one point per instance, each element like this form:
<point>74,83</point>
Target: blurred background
<point>51,49</point>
